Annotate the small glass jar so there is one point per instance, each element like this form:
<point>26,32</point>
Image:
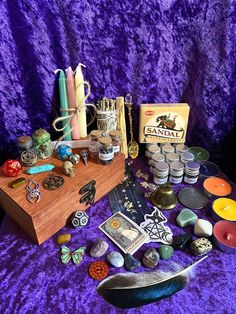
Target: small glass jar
<point>93,143</point>
<point>26,151</point>
<point>105,151</point>
<point>172,157</point>
<point>168,149</point>
<point>152,149</point>
<point>157,157</point>
<point>42,143</point>
<point>186,157</point>
<point>191,172</point>
<point>181,148</point>
<point>116,141</point>
<point>176,172</point>
<point>160,173</point>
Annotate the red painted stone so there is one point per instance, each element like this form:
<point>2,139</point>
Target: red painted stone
<point>12,168</point>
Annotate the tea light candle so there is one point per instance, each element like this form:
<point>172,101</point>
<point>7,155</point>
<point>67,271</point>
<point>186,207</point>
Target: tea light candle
<point>224,208</point>
<point>217,186</point>
<point>200,154</point>
<point>192,198</point>
<point>209,169</point>
<point>224,235</point>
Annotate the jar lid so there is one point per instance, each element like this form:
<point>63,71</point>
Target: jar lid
<point>154,149</point>
<point>114,133</point>
<point>192,165</point>
<point>24,139</point>
<point>158,157</point>
<point>172,156</point>
<point>96,133</point>
<point>176,165</point>
<point>181,148</point>
<point>187,156</point>
<point>162,166</point>
<point>105,140</point>
<point>41,133</point>
<point>168,148</point>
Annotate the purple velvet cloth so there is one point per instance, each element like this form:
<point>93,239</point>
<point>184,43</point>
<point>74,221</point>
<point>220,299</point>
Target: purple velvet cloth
<point>33,280</point>
<point>159,51</point>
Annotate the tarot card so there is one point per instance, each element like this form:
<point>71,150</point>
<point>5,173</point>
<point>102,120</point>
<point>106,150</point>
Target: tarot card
<point>125,233</point>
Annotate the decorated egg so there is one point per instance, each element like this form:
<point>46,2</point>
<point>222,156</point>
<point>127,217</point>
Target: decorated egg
<point>12,168</point>
<point>63,152</point>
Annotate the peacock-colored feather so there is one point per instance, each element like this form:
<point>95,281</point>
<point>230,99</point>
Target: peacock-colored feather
<point>129,290</point>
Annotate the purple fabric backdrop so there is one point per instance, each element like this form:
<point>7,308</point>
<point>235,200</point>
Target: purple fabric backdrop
<point>33,280</point>
<point>160,51</point>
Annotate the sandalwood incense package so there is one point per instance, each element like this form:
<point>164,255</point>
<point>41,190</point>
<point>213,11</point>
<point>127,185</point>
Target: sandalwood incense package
<point>163,123</point>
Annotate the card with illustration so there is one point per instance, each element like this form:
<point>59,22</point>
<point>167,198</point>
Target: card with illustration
<point>125,233</point>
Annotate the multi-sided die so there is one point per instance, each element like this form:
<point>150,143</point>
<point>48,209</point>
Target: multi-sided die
<point>79,219</point>
<point>12,168</point>
<point>63,152</point>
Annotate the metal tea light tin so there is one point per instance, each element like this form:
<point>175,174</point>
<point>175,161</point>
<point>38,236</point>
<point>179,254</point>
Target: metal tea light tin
<point>42,143</point>
<point>105,151</point>
<point>160,173</point>
<point>176,172</point>
<point>191,172</point>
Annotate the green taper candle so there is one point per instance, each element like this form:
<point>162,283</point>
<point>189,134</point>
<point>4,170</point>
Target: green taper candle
<point>64,104</point>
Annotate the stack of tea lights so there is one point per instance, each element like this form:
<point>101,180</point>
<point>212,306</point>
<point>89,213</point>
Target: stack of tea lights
<point>172,162</point>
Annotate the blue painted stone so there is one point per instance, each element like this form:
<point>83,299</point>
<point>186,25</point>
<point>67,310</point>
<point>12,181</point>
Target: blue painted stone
<point>63,152</point>
<point>115,259</point>
<point>131,262</point>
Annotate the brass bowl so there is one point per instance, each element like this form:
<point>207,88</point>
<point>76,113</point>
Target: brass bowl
<point>164,197</point>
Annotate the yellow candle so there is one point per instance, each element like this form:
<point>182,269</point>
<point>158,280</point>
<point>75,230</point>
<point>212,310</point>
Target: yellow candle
<point>80,100</point>
<point>224,208</point>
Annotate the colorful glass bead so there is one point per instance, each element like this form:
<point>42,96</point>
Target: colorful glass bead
<point>12,168</point>
<point>63,152</point>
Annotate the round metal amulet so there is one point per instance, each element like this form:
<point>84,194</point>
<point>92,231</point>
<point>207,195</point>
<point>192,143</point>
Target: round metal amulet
<point>53,182</point>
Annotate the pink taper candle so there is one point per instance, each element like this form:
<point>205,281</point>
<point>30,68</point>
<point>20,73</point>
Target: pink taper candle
<point>70,85</point>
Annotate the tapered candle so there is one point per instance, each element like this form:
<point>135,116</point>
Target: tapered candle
<point>70,85</point>
<point>80,100</point>
<point>64,103</point>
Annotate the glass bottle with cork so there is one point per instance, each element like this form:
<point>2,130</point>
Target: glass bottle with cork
<point>105,151</point>
<point>116,141</point>
<point>93,143</point>
<point>42,143</point>
<point>26,151</point>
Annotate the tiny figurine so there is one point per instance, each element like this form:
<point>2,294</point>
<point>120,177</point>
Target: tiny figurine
<point>63,152</point>
<point>68,169</point>
<point>75,159</point>
<point>79,219</point>
<point>84,154</point>
<point>12,168</point>
<point>34,195</point>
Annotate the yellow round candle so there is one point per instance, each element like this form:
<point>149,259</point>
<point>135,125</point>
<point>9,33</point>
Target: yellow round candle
<point>225,208</point>
<point>217,186</point>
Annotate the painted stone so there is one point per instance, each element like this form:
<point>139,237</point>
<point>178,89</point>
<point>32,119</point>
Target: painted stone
<point>151,258</point>
<point>63,152</point>
<point>203,228</point>
<point>115,259</point>
<point>99,248</point>
<point>63,238</point>
<point>131,262</point>
<point>12,168</point>
<point>181,241</point>
<point>79,219</point>
<point>186,217</point>
<point>166,251</point>
<point>201,246</point>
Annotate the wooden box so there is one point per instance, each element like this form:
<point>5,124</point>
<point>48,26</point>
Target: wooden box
<point>41,220</point>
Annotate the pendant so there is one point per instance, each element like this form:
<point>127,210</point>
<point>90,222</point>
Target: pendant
<point>133,149</point>
<point>52,182</point>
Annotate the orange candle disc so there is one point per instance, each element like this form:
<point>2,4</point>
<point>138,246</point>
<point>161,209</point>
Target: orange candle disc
<point>225,208</point>
<point>217,186</point>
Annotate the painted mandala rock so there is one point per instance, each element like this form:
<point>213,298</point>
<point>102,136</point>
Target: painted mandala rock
<point>12,168</point>
<point>63,152</point>
<point>79,219</point>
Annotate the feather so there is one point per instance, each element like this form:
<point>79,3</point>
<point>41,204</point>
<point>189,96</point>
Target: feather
<point>127,290</point>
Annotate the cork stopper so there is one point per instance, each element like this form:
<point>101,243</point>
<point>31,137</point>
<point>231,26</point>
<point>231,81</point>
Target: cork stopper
<point>24,139</point>
<point>105,141</point>
<point>96,133</point>
<point>114,133</point>
<point>41,134</point>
